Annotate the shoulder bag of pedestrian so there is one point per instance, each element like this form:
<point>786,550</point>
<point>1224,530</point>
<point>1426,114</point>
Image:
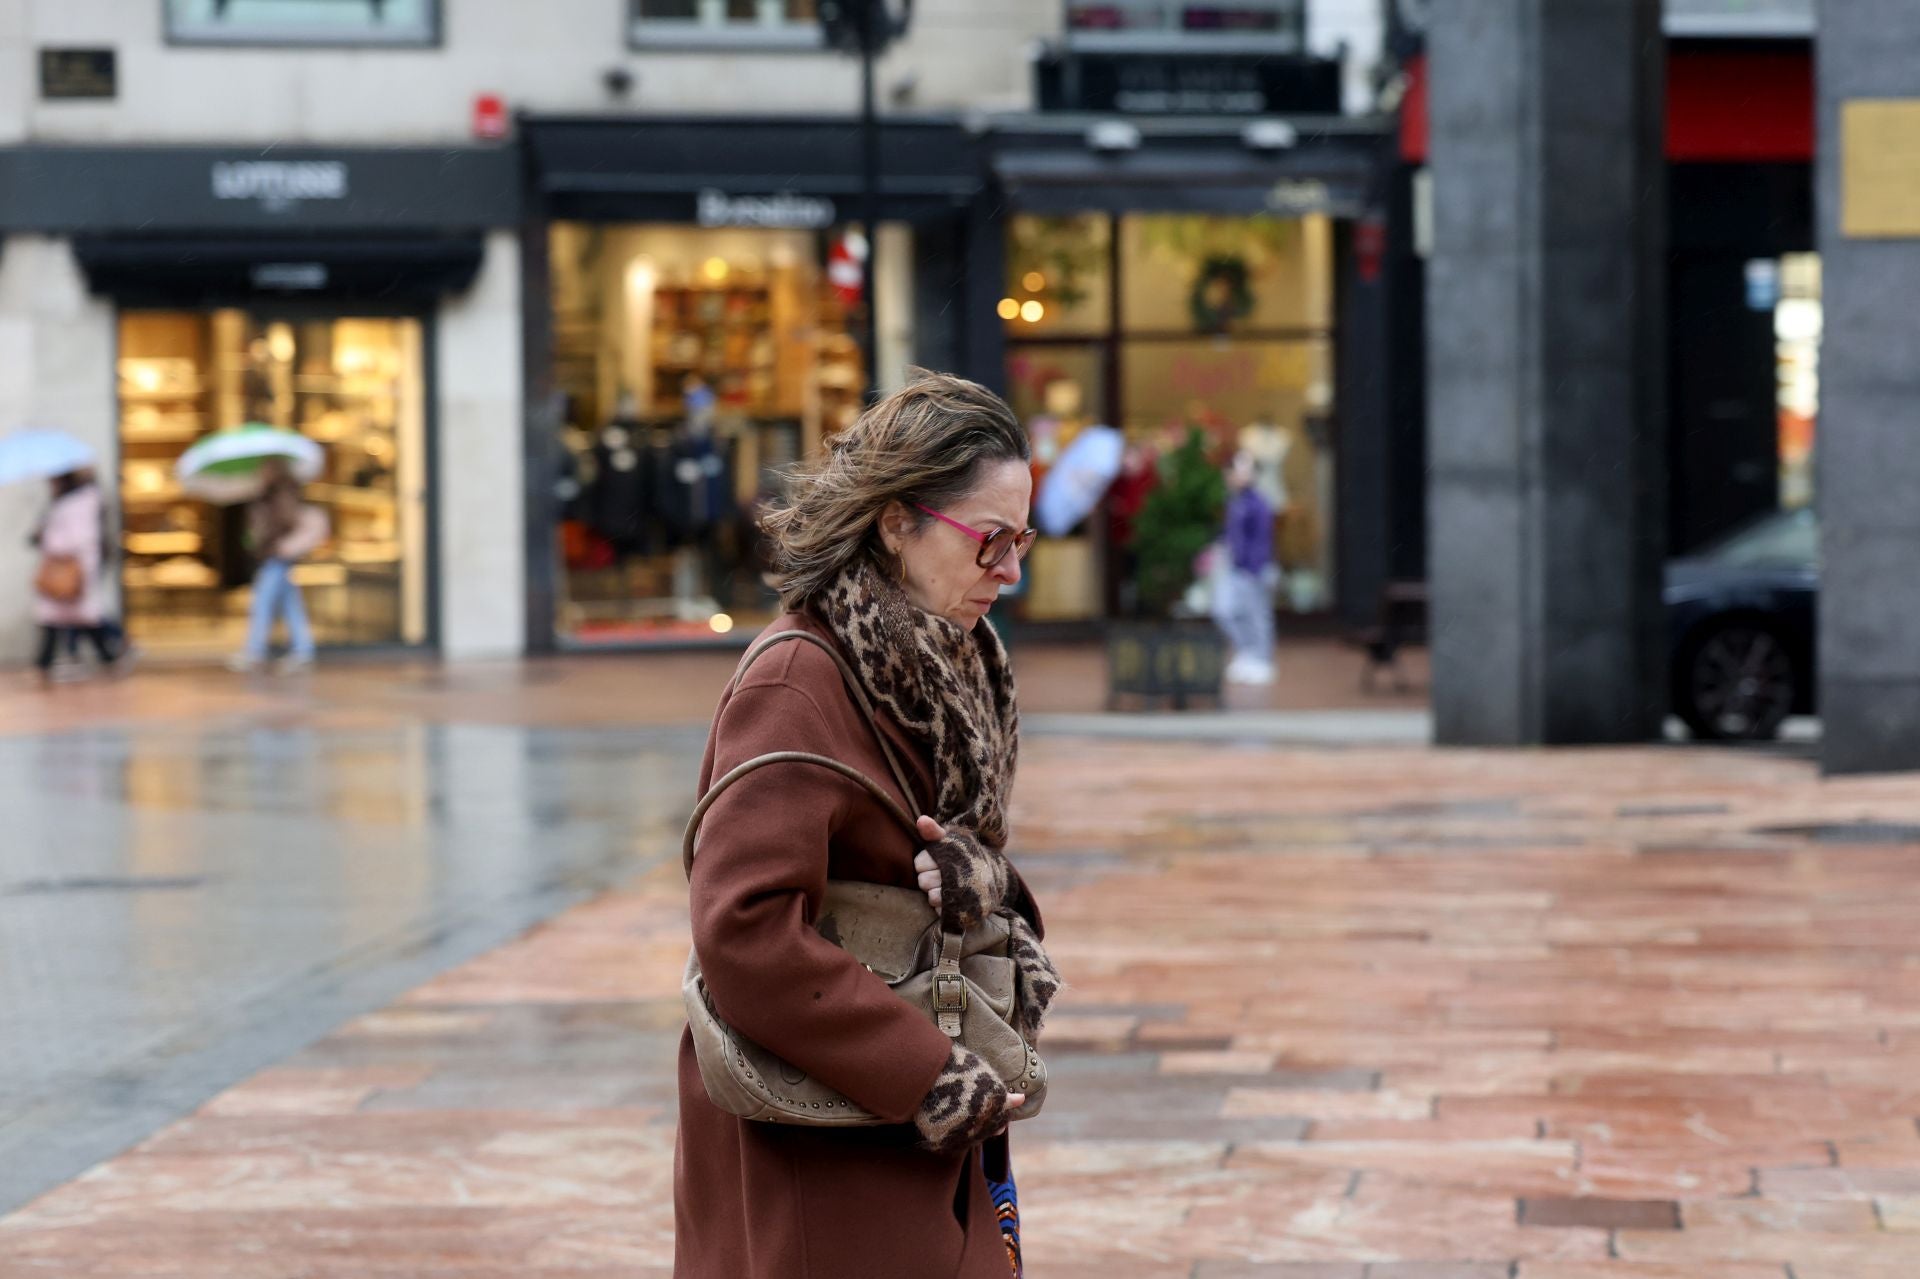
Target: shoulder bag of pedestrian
<point>963,982</point>
<point>60,579</point>
<point>309,529</point>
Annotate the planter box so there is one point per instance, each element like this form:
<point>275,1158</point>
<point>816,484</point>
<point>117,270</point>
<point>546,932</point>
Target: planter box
<point>1174,661</point>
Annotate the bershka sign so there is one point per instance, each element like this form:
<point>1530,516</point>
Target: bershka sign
<point>280,184</point>
<point>784,210</point>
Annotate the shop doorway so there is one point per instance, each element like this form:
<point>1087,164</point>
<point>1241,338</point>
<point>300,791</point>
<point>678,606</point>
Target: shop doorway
<point>356,384</point>
<point>693,365</point>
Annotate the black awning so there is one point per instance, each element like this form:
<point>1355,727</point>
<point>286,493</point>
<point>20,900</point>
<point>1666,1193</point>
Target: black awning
<point>769,172</point>
<point>185,270</point>
<point>1168,179</point>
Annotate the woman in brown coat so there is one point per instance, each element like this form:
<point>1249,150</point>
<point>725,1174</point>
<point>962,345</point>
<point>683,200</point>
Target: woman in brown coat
<point>893,550</point>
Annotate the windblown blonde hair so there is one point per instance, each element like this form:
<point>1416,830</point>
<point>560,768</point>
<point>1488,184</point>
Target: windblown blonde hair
<point>923,444</point>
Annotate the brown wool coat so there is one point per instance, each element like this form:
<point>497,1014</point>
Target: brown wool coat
<point>763,1201</point>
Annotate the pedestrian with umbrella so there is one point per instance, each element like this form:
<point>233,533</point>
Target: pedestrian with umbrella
<point>264,467</point>
<point>66,582</point>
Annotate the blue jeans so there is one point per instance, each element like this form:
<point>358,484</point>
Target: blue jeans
<point>275,595</point>
<point>1243,608</point>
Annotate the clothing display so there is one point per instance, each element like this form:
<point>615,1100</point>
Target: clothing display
<point>1250,531</point>
<point>622,501</point>
<point>694,365</point>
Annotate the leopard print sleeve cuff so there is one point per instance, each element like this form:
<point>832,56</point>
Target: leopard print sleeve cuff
<point>974,879</point>
<point>1037,980</point>
<point>967,1104</point>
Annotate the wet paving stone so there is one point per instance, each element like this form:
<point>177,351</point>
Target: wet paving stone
<point>1509,1045</point>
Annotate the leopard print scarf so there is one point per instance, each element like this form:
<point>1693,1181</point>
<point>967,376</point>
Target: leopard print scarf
<point>951,689</point>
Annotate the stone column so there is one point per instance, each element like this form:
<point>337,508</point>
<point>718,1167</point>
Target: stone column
<point>1545,420</point>
<point>482,514</point>
<point>1868,482</point>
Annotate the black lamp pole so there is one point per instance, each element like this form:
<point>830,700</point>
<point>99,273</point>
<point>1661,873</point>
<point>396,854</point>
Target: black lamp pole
<point>871,35</point>
<point>865,28</point>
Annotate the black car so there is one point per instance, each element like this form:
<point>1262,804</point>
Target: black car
<point>1740,625</point>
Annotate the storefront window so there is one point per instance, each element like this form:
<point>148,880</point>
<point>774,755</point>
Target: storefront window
<point>1190,273</point>
<point>696,365</point>
<point>1798,321</point>
<point>784,21</point>
<point>1059,277</point>
<point>1228,18</point>
<point>1222,323</point>
<point>405,22</point>
<point>355,385</point>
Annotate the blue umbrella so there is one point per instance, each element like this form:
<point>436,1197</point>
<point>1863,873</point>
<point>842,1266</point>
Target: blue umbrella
<point>37,454</point>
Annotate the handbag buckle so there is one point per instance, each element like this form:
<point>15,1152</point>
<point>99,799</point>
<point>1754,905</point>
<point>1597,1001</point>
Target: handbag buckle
<point>949,993</point>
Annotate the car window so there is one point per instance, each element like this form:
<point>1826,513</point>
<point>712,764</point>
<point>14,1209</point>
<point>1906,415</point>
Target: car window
<point>1789,539</point>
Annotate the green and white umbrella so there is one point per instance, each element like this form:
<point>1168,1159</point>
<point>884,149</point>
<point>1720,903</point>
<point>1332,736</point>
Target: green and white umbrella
<point>228,466</point>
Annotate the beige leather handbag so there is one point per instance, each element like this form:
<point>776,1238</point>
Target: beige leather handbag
<point>964,983</point>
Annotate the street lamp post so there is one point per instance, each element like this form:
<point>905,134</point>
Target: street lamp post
<point>865,28</point>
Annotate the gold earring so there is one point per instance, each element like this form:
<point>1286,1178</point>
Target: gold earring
<point>903,568</point>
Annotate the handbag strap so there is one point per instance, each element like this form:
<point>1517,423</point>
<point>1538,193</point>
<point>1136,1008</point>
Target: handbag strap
<point>860,699</point>
<point>854,690</point>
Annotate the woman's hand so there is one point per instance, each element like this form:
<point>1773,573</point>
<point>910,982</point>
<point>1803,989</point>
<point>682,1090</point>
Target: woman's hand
<point>933,832</point>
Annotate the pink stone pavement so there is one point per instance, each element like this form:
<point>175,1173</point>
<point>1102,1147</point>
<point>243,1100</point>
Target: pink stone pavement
<point>1335,1014</point>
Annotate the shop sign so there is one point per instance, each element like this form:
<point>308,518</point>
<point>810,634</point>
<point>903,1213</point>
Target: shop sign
<point>783,210</point>
<point>289,277</point>
<point>1297,196</point>
<point>78,73</point>
<point>280,184</point>
<point>1188,83</point>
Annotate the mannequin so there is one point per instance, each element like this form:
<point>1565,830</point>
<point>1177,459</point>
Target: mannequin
<point>619,497</point>
<point>701,490</point>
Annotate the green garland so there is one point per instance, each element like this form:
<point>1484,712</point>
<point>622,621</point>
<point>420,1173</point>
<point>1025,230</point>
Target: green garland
<point>1220,294</point>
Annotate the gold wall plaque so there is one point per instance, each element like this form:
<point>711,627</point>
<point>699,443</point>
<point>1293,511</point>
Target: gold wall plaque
<point>1880,169</point>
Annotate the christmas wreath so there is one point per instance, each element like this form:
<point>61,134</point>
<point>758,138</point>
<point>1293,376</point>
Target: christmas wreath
<point>1220,294</point>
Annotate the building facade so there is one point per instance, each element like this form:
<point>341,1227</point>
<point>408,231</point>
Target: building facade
<point>559,299</point>
<point>1744,308</point>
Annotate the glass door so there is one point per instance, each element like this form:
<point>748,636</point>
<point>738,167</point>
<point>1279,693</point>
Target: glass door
<point>354,384</point>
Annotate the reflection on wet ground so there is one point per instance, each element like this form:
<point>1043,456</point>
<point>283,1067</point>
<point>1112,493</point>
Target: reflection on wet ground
<point>181,907</point>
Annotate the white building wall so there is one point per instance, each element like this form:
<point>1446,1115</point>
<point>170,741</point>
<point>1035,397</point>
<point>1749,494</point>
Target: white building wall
<point>1358,27</point>
<point>57,370</point>
<point>482,561</point>
<point>960,54</point>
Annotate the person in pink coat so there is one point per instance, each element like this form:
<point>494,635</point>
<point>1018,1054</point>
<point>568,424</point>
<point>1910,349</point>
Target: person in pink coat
<point>70,533</point>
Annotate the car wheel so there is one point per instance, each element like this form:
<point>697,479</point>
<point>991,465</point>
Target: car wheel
<point>1737,683</point>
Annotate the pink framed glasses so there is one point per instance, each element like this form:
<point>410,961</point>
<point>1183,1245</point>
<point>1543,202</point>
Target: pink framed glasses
<point>993,546</point>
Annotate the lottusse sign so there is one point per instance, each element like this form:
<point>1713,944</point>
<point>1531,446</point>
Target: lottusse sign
<point>280,184</point>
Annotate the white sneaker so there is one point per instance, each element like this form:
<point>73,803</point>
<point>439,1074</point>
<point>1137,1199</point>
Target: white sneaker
<point>1240,670</point>
<point>243,664</point>
<point>1260,673</point>
<point>294,663</point>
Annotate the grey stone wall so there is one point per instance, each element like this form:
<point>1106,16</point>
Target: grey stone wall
<point>1546,440</point>
<point>1868,485</point>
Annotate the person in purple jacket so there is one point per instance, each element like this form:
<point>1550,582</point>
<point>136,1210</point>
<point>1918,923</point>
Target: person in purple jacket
<point>1243,598</point>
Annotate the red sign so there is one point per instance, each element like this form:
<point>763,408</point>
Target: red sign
<point>1369,248</point>
<point>489,117</point>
